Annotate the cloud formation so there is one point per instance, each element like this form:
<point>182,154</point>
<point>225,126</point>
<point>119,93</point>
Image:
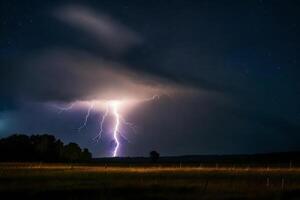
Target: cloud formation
<point>68,74</point>
<point>113,35</point>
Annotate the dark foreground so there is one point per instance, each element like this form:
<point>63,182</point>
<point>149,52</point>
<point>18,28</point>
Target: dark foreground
<point>61,181</point>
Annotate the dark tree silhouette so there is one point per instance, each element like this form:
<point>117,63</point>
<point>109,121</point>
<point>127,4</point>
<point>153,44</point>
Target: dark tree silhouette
<point>154,155</point>
<point>44,148</point>
<point>11,146</point>
<point>72,152</point>
<point>86,155</point>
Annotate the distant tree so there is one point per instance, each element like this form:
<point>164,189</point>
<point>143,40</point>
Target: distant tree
<point>72,152</point>
<point>154,155</point>
<point>86,155</point>
<point>59,148</point>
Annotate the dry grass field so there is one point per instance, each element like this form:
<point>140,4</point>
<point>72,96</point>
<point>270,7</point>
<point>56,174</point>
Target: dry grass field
<point>62,181</point>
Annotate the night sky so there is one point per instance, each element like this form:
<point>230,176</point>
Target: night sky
<point>226,72</point>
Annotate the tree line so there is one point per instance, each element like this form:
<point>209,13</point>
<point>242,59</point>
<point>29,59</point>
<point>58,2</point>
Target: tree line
<point>41,148</point>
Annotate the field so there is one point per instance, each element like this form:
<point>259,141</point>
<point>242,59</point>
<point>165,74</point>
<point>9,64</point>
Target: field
<point>50,181</point>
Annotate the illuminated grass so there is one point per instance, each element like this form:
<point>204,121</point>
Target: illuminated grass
<point>94,182</point>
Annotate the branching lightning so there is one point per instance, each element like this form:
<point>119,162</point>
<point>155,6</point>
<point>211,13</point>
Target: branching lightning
<point>114,106</point>
<point>99,135</point>
<point>111,109</point>
<point>129,124</point>
<point>86,117</point>
<point>63,109</point>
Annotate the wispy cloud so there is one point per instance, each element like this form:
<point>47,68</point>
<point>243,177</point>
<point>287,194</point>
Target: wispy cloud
<point>70,74</point>
<point>113,35</point>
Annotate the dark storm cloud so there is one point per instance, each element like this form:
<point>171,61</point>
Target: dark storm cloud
<point>276,123</point>
<point>69,74</point>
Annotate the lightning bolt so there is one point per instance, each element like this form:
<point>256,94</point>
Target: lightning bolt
<point>111,108</point>
<point>63,109</point>
<point>154,97</point>
<point>86,117</point>
<point>129,124</point>
<point>116,129</point>
<point>99,135</point>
